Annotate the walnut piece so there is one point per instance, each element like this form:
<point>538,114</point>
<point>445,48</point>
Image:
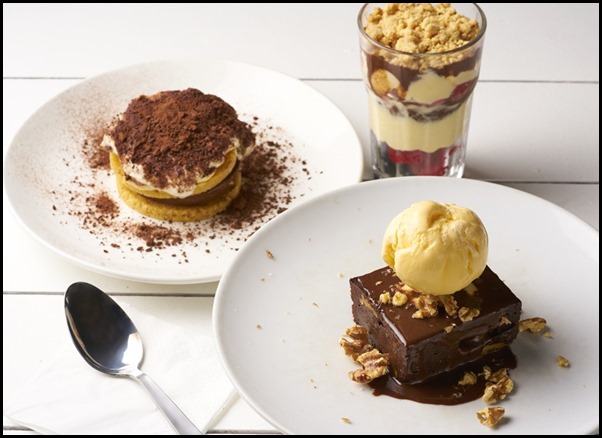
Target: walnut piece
<point>355,341</point>
<point>563,362</point>
<point>426,306</point>
<point>449,328</point>
<point>449,304</point>
<point>384,298</point>
<point>374,363</point>
<point>494,392</point>
<point>468,379</point>
<point>491,416</point>
<point>486,372</point>
<point>269,254</point>
<point>534,325</point>
<point>468,313</point>
<point>399,299</point>
<point>504,320</point>
<point>496,376</point>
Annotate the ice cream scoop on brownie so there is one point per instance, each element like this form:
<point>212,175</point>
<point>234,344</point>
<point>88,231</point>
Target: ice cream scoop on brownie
<point>437,305</point>
<point>177,155</point>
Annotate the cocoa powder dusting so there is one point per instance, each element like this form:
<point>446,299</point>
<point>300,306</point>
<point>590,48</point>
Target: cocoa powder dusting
<point>176,137</point>
<point>95,155</point>
<point>271,173</point>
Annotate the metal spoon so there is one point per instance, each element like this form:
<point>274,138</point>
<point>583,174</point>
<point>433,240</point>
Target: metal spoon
<point>108,340</point>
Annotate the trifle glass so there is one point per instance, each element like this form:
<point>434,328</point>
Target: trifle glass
<point>420,65</point>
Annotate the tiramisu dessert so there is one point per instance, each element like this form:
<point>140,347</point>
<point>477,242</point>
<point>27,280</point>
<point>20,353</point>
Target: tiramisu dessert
<point>435,324</point>
<point>177,155</point>
<point>421,63</point>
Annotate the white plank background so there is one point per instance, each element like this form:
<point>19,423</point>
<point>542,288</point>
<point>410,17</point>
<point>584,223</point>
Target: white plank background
<point>534,125</point>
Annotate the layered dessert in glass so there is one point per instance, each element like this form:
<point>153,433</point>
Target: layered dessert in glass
<point>420,64</point>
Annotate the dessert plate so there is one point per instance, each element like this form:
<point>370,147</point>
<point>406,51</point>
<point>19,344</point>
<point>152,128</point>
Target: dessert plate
<point>54,187</point>
<point>278,316</point>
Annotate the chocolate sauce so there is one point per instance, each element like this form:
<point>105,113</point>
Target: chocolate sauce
<point>445,389</point>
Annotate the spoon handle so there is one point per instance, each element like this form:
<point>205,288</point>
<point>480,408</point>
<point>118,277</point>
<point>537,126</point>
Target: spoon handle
<point>176,417</point>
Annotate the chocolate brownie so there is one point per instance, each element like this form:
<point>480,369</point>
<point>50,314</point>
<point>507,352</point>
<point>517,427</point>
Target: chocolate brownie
<point>484,321</point>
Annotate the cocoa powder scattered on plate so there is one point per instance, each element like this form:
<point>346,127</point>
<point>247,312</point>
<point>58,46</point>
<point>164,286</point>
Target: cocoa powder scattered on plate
<point>270,175</point>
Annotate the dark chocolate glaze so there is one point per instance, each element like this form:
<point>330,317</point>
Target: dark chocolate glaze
<point>406,75</point>
<point>421,348</point>
<point>444,388</point>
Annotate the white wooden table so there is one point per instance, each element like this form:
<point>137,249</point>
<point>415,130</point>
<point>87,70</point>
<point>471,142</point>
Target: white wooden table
<point>534,125</point>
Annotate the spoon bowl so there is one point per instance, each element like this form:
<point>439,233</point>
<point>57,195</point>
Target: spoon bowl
<point>108,340</point>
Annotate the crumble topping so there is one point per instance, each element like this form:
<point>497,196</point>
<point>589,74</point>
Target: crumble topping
<point>420,27</point>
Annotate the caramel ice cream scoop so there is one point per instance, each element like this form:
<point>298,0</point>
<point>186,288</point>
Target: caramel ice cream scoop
<point>436,248</point>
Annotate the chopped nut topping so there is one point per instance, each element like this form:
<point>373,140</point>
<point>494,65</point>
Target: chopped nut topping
<point>345,420</point>
<point>384,298</point>
<point>468,379</point>
<point>374,363</point>
<point>258,326</point>
<point>534,325</point>
<point>468,313</point>
<point>378,283</point>
<point>355,341</point>
<point>426,306</point>
<point>496,376</point>
<point>491,416</point>
<point>269,254</point>
<point>399,299</point>
<point>547,334</point>
<point>494,392</point>
<point>505,321</point>
<point>563,362</point>
<point>449,304</point>
<point>486,372</point>
<point>449,328</point>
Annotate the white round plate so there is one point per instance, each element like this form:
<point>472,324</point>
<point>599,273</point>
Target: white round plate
<point>45,158</point>
<point>278,320</point>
